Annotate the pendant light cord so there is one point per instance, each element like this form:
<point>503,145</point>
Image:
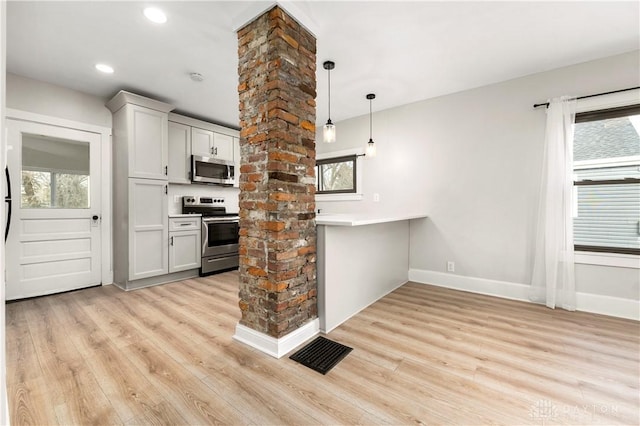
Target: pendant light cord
<point>329,74</point>
<point>370,119</point>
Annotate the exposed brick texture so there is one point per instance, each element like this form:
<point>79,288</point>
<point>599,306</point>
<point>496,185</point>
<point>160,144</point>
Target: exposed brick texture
<point>277,69</point>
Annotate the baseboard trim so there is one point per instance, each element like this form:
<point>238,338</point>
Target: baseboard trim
<point>608,305</point>
<point>586,302</point>
<point>272,346</point>
<point>503,289</point>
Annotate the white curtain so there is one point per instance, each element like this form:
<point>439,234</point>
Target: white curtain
<point>553,280</point>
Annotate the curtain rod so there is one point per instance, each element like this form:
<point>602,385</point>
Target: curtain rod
<point>546,104</point>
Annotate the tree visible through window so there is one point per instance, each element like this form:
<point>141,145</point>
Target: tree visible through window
<point>336,175</point>
<point>607,181</point>
<point>55,173</point>
<point>54,190</point>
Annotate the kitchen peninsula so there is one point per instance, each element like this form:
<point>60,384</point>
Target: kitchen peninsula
<point>361,258</point>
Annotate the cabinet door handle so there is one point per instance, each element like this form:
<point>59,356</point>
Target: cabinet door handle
<point>166,170</point>
<point>166,189</point>
<point>212,151</point>
<point>215,151</point>
<point>171,241</point>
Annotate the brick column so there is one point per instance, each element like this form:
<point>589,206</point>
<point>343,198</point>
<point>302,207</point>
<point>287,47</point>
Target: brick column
<point>277,81</point>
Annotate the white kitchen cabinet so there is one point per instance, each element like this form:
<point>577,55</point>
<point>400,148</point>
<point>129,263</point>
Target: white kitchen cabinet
<point>140,186</point>
<point>148,149</point>
<point>211,144</point>
<point>140,136</point>
<point>179,153</point>
<point>236,159</point>
<point>148,226</point>
<point>201,142</point>
<point>207,140</point>
<point>223,146</point>
<point>185,250</point>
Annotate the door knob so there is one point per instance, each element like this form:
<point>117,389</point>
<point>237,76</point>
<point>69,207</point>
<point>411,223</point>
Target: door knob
<point>95,217</point>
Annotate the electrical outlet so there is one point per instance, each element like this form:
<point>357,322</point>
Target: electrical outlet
<point>451,266</point>
<point>177,199</point>
<point>376,197</point>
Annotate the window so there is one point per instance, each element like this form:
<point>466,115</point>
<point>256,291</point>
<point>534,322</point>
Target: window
<point>336,175</point>
<point>54,190</point>
<point>55,173</point>
<point>607,181</point>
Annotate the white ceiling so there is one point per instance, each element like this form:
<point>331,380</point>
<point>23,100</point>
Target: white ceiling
<point>402,51</point>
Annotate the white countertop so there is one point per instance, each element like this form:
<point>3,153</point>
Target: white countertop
<point>185,215</point>
<point>362,219</point>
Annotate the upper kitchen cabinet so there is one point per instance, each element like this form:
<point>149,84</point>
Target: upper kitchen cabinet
<point>140,130</point>
<point>201,142</point>
<point>179,153</point>
<point>223,146</point>
<point>211,144</point>
<point>189,136</point>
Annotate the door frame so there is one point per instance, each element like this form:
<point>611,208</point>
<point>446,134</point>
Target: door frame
<point>106,234</point>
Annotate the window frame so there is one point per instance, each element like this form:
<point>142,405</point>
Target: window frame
<point>332,160</point>
<point>592,252</point>
<point>358,153</point>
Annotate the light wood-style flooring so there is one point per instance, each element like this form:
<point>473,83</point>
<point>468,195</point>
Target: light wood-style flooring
<point>422,354</point>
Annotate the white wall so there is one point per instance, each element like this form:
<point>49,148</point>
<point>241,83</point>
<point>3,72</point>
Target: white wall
<point>43,98</point>
<point>230,196</point>
<point>472,162</point>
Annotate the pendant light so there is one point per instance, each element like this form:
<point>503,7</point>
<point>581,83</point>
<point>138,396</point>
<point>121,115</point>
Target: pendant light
<point>329,129</point>
<point>371,148</point>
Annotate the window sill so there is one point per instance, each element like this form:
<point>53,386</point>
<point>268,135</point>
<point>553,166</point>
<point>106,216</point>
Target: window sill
<point>339,197</point>
<point>608,259</point>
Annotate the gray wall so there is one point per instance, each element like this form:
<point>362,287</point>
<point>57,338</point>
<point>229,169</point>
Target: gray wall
<point>43,98</point>
<point>472,161</point>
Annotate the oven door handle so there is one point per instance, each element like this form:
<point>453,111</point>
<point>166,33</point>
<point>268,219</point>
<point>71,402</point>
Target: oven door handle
<point>205,237</point>
<point>221,220</point>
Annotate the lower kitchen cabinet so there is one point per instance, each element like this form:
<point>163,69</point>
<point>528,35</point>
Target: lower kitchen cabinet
<point>184,244</point>
<point>148,225</point>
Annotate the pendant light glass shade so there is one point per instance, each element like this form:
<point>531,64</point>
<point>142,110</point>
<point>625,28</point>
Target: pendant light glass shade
<point>371,149</point>
<point>329,129</point>
<point>371,146</point>
<point>329,132</point>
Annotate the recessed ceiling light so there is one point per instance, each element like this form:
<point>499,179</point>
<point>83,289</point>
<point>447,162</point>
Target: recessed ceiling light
<point>196,76</point>
<point>104,68</point>
<point>155,15</point>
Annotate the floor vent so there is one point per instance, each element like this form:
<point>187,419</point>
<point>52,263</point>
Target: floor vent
<point>321,354</point>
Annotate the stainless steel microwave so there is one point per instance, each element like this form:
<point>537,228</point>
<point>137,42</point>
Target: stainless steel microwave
<point>212,170</point>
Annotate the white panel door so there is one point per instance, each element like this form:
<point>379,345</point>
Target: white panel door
<point>54,237</point>
<point>148,228</point>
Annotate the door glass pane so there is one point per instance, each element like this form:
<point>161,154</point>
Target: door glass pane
<point>55,173</point>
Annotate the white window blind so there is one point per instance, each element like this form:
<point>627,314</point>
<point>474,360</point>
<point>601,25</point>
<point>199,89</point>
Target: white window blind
<point>607,181</point>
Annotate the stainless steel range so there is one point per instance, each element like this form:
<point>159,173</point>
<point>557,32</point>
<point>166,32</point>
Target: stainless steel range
<point>219,233</point>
